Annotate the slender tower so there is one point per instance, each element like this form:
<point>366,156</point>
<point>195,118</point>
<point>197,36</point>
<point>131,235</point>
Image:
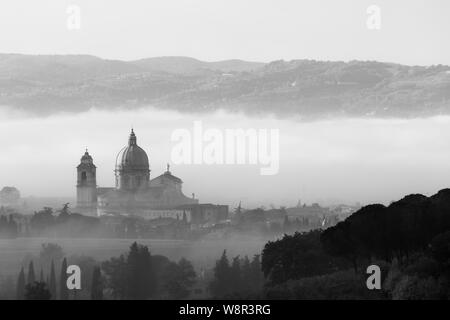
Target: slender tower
<point>87,186</point>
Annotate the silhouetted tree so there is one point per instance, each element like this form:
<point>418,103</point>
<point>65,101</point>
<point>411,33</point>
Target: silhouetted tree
<point>20,291</point>
<point>256,276</point>
<point>97,285</point>
<point>37,291</point>
<point>397,231</point>
<point>31,275</point>
<point>440,249</point>
<point>141,280</point>
<point>42,220</point>
<point>63,290</point>
<point>52,280</point>
<point>116,272</point>
<point>179,278</point>
<point>50,252</point>
<point>236,284</point>
<point>64,214</point>
<point>8,226</point>
<point>220,286</point>
<point>297,256</point>
<point>131,276</point>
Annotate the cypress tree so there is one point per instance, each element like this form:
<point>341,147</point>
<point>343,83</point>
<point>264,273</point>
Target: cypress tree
<point>52,281</point>
<point>235,284</point>
<point>31,276</point>
<point>97,285</point>
<point>41,277</point>
<point>257,274</point>
<point>63,290</point>
<point>141,279</point>
<point>222,280</point>
<point>20,292</point>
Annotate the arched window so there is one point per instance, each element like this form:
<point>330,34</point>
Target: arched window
<point>83,176</point>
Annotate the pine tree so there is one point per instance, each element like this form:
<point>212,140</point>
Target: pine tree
<point>141,278</point>
<point>52,281</point>
<point>31,276</point>
<point>235,275</point>
<point>246,274</point>
<point>220,286</point>
<point>63,290</point>
<point>12,227</point>
<point>20,292</point>
<point>97,285</point>
<point>257,274</point>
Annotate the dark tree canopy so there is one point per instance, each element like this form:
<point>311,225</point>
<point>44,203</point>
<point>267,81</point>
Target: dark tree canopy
<point>97,285</point>
<point>297,256</point>
<point>37,291</point>
<point>396,231</point>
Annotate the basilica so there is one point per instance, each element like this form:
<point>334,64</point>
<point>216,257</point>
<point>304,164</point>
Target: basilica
<point>135,193</point>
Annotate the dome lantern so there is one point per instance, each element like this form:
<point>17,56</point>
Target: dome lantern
<point>132,141</point>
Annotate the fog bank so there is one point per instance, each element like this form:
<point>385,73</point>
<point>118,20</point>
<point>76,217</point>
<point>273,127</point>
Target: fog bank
<point>342,160</point>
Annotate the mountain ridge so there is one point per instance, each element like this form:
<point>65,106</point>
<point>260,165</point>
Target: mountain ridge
<point>46,84</point>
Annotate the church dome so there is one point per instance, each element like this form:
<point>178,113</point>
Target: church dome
<point>132,156</point>
<point>86,158</point>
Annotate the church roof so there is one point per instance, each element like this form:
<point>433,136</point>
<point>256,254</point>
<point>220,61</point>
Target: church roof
<point>132,156</point>
<point>170,176</point>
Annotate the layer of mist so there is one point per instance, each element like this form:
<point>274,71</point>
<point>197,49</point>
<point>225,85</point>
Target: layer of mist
<point>333,161</point>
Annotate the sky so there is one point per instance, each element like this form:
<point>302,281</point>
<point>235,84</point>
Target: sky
<point>411,31</point>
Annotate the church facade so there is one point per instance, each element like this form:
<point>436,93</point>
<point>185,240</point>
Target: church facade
<point>135,193</point>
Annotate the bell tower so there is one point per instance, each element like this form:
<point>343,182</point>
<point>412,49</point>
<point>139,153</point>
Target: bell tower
<point>87,186</point>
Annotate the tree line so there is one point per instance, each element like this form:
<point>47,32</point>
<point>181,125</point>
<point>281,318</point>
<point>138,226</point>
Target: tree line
<point>397,231</point>
<point>409,240</point>
<point>241,278</point>
<point>136,275</point>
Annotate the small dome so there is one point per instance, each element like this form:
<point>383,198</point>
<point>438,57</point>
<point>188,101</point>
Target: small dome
<point>86,161</point>
<point>132,156</point>
<point>86,157</point>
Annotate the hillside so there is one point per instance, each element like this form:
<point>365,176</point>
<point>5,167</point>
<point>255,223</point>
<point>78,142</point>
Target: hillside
<point>305,88</point>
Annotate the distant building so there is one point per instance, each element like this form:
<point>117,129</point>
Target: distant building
<point>206,213</point>
<point>312,215</point>
<point>305,210</point>
<point>135,194</point>
<point>9,197</point>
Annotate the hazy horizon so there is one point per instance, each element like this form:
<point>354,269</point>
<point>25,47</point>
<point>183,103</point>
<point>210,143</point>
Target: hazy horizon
<point>222,60</point>
<point>214,30</point>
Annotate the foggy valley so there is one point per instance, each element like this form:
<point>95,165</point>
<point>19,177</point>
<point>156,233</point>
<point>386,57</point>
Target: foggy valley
<point>238,155</point>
